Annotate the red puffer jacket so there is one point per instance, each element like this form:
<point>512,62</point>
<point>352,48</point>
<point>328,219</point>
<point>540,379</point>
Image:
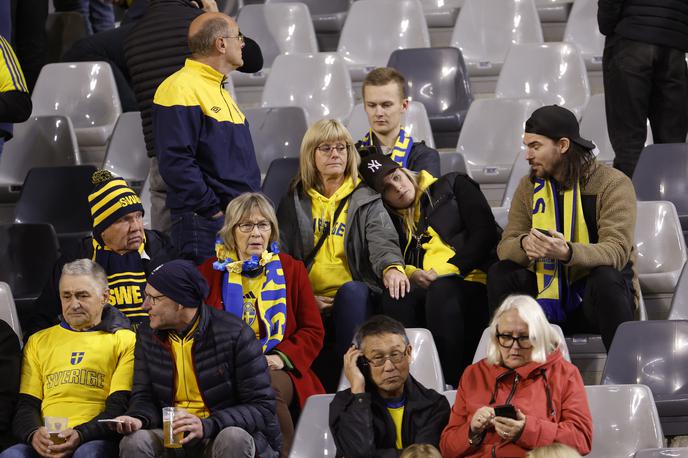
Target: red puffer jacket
<point>551,395</point>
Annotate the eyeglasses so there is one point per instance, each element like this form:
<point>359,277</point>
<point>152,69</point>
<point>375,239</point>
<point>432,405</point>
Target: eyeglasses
<point>153,299</point>
<point>239,37</point>
<point>328,150</point>
<point>507,341</point>
<point>246,228</point>
<point>395,357</point>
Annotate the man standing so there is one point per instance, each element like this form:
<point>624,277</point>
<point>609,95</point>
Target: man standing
<point>644,72</point>
<point>205,361</point>
<point>204,147</point>
<point>569,239</point>
<point>80,369</point>
<point>15,101</point>
<point>386,409</point>
<point>385,101</point>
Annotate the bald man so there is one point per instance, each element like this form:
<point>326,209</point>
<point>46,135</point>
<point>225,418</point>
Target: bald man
<point>202,141</point>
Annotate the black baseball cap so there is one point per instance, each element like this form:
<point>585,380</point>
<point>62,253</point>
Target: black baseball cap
<point>374,168</point>
<point>557,122</point>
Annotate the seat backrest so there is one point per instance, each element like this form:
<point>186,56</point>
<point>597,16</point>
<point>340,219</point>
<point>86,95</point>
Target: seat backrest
<point>679,303</point>
<point>451,397</point>
<point>375,28</point>
<point>278,177</point>
<point>319,83</point>
<point>8,311</point>
<point>481,351</point>
<point>41,141</point>
<point>58,196</point>
<point>415,122</point>
<point>659,241</point>
<point>662,174</point>
<point>662,453</point>
<point>552,72</point>
<point>436,77</point>
<point>313,437</point>
<point>452,161</point>
<point>276,132</point>
<point>318,7</point>
<point>146,202</point>
<point>624,419</point>
<point>486,29</point>
<point>126,152</point>
<point>279,28</point>
<point>520,169</point>
<point>582,29</point>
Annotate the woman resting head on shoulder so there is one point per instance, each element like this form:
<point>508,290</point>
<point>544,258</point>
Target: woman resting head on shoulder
<point>524,395</point>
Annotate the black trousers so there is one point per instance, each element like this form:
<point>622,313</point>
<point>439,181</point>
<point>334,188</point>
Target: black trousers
<point>608,300</point>
<point>643,81</point>
<point>29,37</point>
<point>456,313</point>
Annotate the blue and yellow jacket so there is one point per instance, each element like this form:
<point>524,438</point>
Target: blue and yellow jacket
<point>204,148</point>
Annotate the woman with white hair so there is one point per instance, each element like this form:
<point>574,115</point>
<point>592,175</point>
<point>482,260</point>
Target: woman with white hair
<point>523,395</point>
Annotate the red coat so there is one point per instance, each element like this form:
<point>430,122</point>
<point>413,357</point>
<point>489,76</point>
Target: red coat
<point>569,423</point>
<point>303,336</point>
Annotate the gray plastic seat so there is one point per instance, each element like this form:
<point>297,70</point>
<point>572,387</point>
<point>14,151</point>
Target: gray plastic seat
<point>492,137</point>
<point>624,419</point>
<point>481,351</point>
<point>327,16</point>
<point>582,29</point>
<point>441,13</point>
<point>313,436</point>
<point>451,397</point>
<point>452,161</point>
<point>552,72</point>
<point>415,122</point>
<point>375,28</point>
<point>278,177</point>
<point>553,10</point>
<point>653,353</point>
<point>662,453</point>
<point>276,133</point>
<point>126,155</point>
<point>486,29</point>
<point>679,303</point>
<point>146,202</point>
<point>519,169</point>
<point>501,216</point>
<point>319,83</point>
<point>8,311</point>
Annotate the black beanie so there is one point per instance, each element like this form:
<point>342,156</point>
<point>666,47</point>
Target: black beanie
<point>181,281</point>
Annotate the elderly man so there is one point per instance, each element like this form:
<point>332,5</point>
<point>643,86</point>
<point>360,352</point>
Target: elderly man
<point>385,396</point>
<point>202,141</point>
<point>120,244</point>
<point>569,239</point>
<point>205,361</point>
<point>80,370</point>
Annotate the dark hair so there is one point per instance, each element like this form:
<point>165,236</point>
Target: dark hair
<point>202,42</point>
<point>577,163</point>
<point>382,76</point>
<point>377,325</point>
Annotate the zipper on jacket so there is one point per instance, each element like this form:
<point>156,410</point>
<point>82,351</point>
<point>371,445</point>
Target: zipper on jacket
<point>513,389</point>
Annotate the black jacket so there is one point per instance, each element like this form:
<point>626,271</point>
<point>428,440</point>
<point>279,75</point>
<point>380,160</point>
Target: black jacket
<point>457,210</point>
<point>421,157</point>
<point>10,368</point>
<point>232,377</point>
<point>363,428</point>
<point>658,22</point>
<point>158,46</point>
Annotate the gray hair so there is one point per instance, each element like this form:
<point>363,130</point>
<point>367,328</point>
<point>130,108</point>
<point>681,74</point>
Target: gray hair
<point>202,42</point>
<point>88,268</point>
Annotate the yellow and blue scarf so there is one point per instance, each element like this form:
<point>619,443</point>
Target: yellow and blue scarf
<point>402,148</point>
<point>272,301</point>
<point>554,279</point>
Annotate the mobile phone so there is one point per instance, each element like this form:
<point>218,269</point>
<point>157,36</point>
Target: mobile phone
<point>506,411</point>
<point>364,367</point>
<point>110,420</point>
<point>543,231</point>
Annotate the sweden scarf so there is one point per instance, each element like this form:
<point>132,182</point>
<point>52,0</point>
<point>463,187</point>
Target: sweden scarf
<point>402,148</point>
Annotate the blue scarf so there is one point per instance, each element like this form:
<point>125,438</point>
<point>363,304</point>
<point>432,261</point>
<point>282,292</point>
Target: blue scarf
<point>402,148</point>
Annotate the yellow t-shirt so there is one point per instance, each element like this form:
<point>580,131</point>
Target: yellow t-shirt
<point>188,394</point>
<point>252,288</point>
<point>74,372</point>
<point>330,268</point>
<point>397,414</point>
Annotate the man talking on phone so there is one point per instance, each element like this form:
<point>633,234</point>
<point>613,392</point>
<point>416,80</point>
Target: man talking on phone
<point>569,239</point>
<point>383,394</point>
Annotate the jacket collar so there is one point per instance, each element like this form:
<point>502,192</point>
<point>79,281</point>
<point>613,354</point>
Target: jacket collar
<point>530,369</point>
<point>111,320</point>
<point>206,72</point>
<point>203,319</point>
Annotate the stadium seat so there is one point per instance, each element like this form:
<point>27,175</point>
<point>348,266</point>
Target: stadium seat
<point>679,303</point>
<point>451,397</point>
<point>583,31</point>
<point>486,29</point>
<point>451,161</point>
<point>62,30</point>
<point>552,72</point>
<point>415,123</point>
<point>312,436</point>
<point>492,137</point>
<point>441,13</point>
<point>624,419</point>
<point>277,179</point>
<point>519,169</point>
<point>8,312</point>
<point>327,16</point>
<point>87,95</point>
<point>41,141</point>
<point>662,453</point>
<point>425,362</point>
<point>277,28</point>
<point>146,202</point>
<point>276,133</point>
<point>553,10</point>
<point>653,353</point>
<point>126,154</point>
<point>437,78</point>
<point>375,28</point>
<point>501,216</point>
<point>319,83</point>
<point>481,351</point>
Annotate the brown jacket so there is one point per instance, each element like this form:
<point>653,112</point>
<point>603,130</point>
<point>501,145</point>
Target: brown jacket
<point>611,196</point>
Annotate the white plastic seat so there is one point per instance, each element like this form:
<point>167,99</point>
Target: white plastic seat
<point>662,452</point>
<point>492,137</point>
<point>501,216</point>
<point>519,169</point>
<point>277,28</point>
<point>126,152</point>
<point>312,436</point>
<point>552,72</point>
<point>451,397</point>
<point>327,16</point>
<point>624,419</point>
<point>582,29</point>
<point>486,29</point>
<point>661,249</point>
<point>452,161</point>
<point>146,202</point>
<point>553,10</point>
<point>8,311</point>
<point>319,83</point>
<point>85,92</point>
<point>441,13</point>
<point>276,133</point>
<point>425,362</point>
<point>375,28</point>
<point>481,351</point>
<point>415,122</point>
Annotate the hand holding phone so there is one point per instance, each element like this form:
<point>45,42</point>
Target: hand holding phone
<point>355,369</point>
<point>506,411</point>
<point>544,232</point>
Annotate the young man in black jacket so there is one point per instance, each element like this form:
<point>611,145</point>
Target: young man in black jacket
<point>383,394</point>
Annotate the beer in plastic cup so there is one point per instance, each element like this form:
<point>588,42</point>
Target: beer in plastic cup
<point>55,425</point>
<point>171,440</point>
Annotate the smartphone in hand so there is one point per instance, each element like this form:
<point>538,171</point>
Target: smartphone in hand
<point>506,411</point>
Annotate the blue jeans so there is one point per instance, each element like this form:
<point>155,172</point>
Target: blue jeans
<point>97,448</point>
<point>194,235</point>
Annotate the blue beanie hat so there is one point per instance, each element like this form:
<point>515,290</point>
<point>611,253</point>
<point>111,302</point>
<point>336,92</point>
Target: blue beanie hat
<point>181,281</point>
